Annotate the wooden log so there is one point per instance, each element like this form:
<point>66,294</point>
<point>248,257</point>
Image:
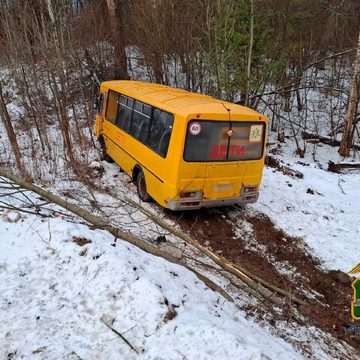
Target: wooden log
<point>274,163</point>
<point>337,167</point>
<point>325,140</point>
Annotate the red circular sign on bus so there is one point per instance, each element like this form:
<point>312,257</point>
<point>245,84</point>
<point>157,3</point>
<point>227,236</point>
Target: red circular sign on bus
<point>195,128</point>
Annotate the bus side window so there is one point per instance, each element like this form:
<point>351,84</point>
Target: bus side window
<point>140,122</point>
<point>112,106</point>
<point>160,131</point>
<point>123,120</point>
<point>128,120</point>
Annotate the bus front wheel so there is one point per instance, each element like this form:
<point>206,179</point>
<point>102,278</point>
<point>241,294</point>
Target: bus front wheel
<point>141,188</point>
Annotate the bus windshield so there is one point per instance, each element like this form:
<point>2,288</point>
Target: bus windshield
<point>224,141</point>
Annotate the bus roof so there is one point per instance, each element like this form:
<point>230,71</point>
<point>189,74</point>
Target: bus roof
<point>176,100</point>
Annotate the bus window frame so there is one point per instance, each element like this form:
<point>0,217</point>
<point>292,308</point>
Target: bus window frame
<point>254,122</point>
<point>142,114</point>
<point>127,107</point>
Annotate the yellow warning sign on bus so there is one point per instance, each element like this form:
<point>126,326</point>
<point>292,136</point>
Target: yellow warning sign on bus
<point>256,133</point>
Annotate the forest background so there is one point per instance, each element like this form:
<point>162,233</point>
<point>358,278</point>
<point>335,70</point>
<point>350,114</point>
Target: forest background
<point>297,61</point>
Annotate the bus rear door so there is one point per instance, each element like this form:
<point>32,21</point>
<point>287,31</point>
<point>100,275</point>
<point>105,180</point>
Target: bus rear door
<point>228,151</point>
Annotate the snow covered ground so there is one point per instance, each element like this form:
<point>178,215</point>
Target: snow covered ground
<point>323,208</point>
<point>57,296</point>
<point>61,282</point>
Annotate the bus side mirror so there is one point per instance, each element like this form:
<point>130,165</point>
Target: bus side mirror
<point>95,103</point>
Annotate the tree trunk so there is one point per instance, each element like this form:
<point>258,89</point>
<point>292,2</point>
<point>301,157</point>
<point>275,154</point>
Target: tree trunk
<point>116,10</point>
<point>249,59</point>
<point>10,131</point>
<point>218,65</point>
<point>347,137</point>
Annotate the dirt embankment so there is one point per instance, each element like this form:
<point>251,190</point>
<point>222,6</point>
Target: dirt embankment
<point>282,260</point>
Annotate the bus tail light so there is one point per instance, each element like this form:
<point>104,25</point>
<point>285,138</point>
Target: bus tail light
<point>194,203</point>
<point>249,189</point>
<point>191,195</point>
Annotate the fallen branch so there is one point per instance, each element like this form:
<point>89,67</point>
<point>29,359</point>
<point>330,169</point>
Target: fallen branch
<point>332,56</point>
<point>99,223</point>
<point>336,167</point>
<point>274,163</point>
<point>325,140</point>
<point>10,207</point>
<point>119,334</point>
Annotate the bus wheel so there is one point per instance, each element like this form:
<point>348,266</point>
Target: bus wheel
<point>141,187</point>
<point>104,155</point>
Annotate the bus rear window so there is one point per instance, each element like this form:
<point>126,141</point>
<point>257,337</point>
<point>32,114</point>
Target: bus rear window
<point>224,141</point>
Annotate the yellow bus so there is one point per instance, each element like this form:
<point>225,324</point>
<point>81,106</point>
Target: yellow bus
<point>184,150</point>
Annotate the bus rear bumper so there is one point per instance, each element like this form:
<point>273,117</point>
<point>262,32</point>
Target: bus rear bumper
<point>198,204</point>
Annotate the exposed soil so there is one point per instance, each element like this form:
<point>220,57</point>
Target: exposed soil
<point>329,294</point>
<point>81,241</point>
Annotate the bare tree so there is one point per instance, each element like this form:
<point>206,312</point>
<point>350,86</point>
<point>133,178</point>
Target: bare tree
<point>249,58</point>
<point>116,9</point>
<point>10,131</point>
<point>348,133</point>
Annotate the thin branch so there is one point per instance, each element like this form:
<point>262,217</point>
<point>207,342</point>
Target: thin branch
<point>120,335</point>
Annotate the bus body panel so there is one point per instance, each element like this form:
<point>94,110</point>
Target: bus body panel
<point>128,160</point>
<point>219,180</point>
<point>223,180</point>
<point>161,174</point>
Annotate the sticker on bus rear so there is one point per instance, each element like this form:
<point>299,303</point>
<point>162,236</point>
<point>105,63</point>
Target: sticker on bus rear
<point>195,128</point>
<point>255,133</point>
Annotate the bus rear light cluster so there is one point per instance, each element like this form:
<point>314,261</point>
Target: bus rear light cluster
<point>194,203</point>
<point>191,195</point>
<point>250,189</point>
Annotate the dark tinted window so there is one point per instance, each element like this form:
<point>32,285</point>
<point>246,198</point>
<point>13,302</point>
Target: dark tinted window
<point>112,106</point>
<point>124,115</point>
<point>138,106</point>
<point>160,131</point>
<point>147,110</point>
<point>130,102</point>
<point>224,141</point>
<point>123,100</point>
<point>140,123</point>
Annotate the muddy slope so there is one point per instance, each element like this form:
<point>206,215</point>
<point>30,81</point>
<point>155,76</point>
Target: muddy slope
<point>252,241</point>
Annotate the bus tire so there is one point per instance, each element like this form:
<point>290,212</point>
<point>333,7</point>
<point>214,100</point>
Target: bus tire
<point>141,188</point>
<point>104,154</point>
